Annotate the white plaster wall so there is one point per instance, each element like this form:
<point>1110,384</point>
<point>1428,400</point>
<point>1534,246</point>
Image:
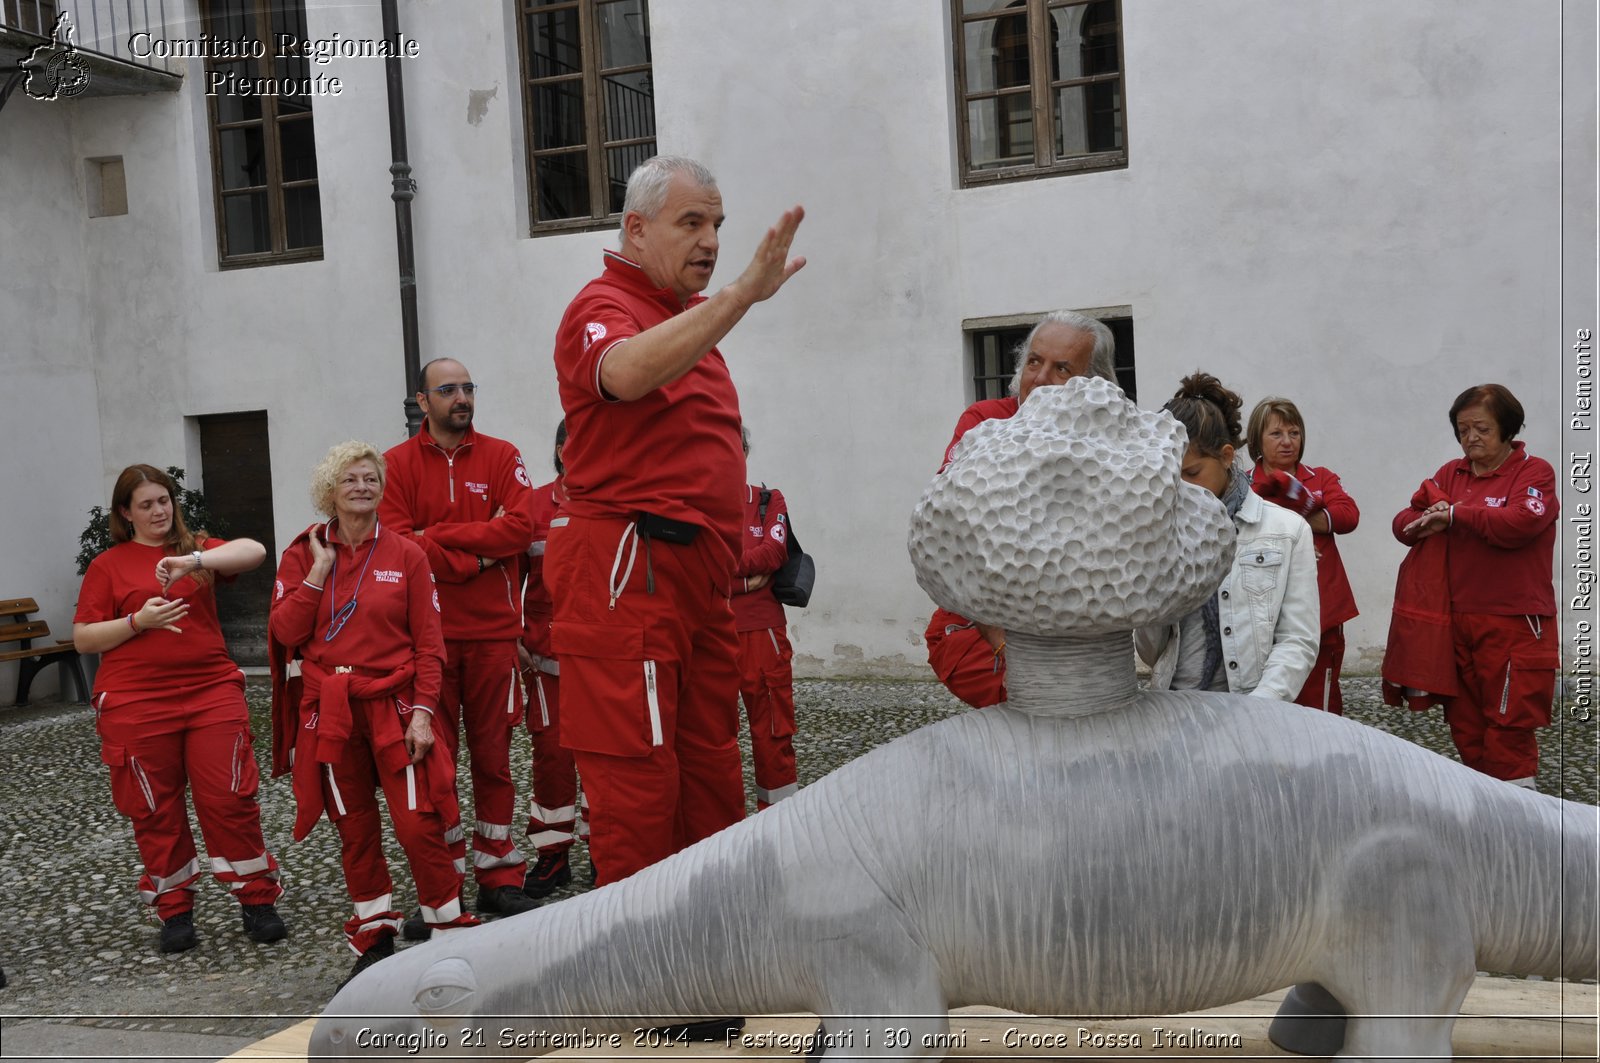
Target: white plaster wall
<point>48,479</point>
<point>1352,203</point>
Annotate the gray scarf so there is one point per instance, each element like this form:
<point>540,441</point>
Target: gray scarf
<point>1238,490</point>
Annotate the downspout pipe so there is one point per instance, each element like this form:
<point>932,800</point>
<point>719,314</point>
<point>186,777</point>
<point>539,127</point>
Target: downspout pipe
<point>404,191</point>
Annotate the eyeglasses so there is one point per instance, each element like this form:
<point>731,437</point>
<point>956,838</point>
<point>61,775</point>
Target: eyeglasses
<point>445,391</point>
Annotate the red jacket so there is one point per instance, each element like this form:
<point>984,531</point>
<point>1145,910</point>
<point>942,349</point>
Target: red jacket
<point>537,607</point>
<point>1333,586</point>
<point>766,548</point>
<point>674,451</point>
<point>1502,535</point>
<point>452,497</point>
<point>976,414</point>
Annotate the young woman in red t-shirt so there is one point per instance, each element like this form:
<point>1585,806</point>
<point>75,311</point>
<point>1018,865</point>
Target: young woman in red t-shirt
<point>170,708</point>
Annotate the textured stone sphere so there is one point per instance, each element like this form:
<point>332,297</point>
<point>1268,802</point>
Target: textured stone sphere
<point>1071,518</point>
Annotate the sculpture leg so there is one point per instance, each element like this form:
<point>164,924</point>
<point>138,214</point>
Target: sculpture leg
<point>891,1006</point>
<point>1399,948</point>
<point>1309,1022</point>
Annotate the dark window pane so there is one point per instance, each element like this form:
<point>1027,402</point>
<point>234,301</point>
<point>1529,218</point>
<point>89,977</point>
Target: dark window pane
<point>298,149</point>
<point>231,20</point>
<point>558,114</point>
<point>630,105</point>
<point>290,105</point>
<point>289,20</point>
<point>994,361</point>
<point>997,53</point>
<point>620,164</point>
<point>1000,131</point>
<point>236,108</point>
<point>245,223</point>
<point>302,216</point>
<point>1083,41</point>
<point>562,186</point>
<point>243,163</point>
<point>555,42</point>
<point>624,32</point>
<point>1089,118</point>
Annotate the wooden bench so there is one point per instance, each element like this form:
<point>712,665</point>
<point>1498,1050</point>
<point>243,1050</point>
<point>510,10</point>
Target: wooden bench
<point>31,660</point>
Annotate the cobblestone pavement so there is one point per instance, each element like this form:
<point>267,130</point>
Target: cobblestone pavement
<point>79,942</point>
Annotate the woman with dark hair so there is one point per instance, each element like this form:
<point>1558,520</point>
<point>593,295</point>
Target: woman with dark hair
<point>1496,508</point>
<point>1258,633</point>
<point>1277,436</point>
<point>170,708</point>
<point>355,603</point>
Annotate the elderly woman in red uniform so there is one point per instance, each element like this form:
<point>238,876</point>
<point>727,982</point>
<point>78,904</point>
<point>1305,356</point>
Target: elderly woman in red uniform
<point>1277,439</point>
<point>1496,505</point>
<point>170,708</point>
<point>356,605</point>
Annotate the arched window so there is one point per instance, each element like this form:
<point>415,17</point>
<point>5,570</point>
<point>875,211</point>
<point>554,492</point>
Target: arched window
<point>1039,87</point>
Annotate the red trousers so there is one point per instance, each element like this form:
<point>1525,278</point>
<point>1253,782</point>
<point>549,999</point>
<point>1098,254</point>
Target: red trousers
<point>554,809</point>
<point>200,740</point>
<point>480,689</point>
<point>1322,685</point>
<point>964,661</point>
<point>766,684</point>
<point>348,793</point>
<point>649,692</point>
<point>1507,670</point>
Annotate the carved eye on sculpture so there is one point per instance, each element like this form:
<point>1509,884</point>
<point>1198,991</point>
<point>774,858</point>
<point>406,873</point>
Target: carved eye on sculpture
<point>445,989</point>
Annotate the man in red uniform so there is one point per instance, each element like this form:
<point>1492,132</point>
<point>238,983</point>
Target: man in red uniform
<point>969,657</point>
<point>553,810</point>
<point>766,672</point>
<point>465,496</point>
<point>641,560</point>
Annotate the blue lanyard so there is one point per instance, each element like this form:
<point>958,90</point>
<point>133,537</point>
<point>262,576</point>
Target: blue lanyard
<point>337,618</point>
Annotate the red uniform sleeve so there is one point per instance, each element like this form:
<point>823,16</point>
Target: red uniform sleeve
<point>394,512</point>
<point>1343,515</point>
<point>594,323</point>
<point>969,418</point>
<point>771,550</point>
<point>427,634</point>
<point>293,618</point>
<point>501,537</point>
<point>1421,499</point>
<point>97,599</point>
<point>1530,507</point>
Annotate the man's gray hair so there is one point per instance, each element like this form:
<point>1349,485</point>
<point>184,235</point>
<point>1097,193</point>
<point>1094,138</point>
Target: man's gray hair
<point>647,185</point>
<point>1102,360</point>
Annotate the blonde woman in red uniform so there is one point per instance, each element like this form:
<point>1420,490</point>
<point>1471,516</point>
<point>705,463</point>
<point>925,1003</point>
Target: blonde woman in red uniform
<point>356,603</point>
<point>1497,509</point>
<point>1277,440</point>
<point>170,708</point>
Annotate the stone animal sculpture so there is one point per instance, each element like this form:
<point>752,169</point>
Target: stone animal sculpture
<point>1089,848</point>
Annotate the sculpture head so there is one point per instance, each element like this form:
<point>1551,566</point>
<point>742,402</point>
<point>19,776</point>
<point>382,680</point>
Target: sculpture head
<point>1071,519</point>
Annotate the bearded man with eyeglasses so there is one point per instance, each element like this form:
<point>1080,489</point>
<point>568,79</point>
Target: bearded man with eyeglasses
<point>466,497</point>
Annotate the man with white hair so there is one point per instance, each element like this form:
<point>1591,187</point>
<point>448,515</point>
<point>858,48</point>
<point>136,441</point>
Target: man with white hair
<point>641,561</point>
<point>969,657</point>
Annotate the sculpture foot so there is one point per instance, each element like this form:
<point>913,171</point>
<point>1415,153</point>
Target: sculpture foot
<point>1310,1022</point>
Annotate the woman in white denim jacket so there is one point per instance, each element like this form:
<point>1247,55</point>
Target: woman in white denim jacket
<point>1260,632</point>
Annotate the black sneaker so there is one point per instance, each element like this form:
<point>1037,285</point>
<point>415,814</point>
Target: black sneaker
<point>504,900</point>
<point>548,875</point>
<point>416,928</point>
<point>381,949</point>
<point>177,933</point>
<point>263,923</point>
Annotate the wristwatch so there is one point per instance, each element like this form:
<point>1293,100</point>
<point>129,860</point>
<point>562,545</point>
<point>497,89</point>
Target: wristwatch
<point>198,564</point>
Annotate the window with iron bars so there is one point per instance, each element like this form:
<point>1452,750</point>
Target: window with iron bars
<point>996,342</point>
<point>263,148</point>
<point>1039,88</point>
<point>588,106</point>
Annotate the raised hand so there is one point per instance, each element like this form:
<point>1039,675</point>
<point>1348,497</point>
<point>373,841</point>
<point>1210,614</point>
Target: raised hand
<point>771,265</point>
